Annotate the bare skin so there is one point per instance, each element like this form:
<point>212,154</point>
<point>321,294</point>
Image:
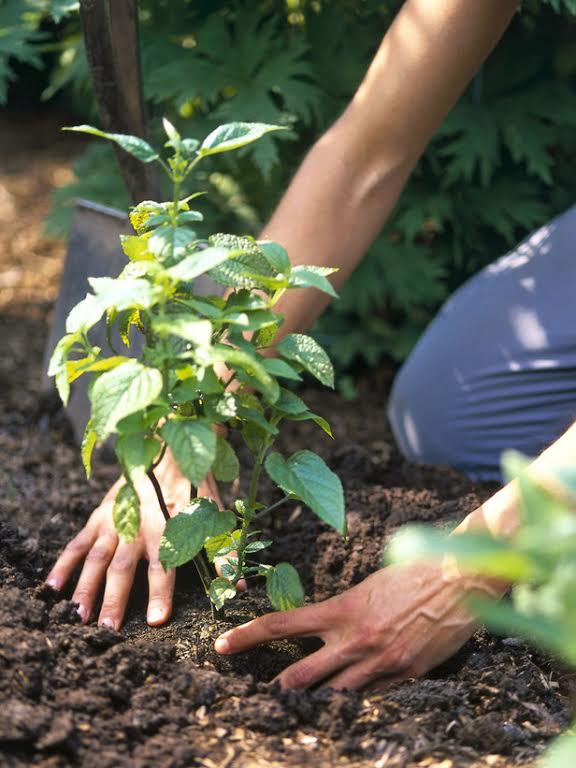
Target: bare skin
<point>399,622</point>
<point>110,561</point>
<point>334,208</point>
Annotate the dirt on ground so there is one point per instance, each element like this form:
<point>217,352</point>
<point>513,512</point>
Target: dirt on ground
<point>85,695</point>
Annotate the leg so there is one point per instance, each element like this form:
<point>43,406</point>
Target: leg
<point>496,368</point>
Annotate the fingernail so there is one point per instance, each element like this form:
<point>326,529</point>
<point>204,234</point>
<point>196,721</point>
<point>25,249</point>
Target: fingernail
<point>106,622</point>
<point>82,611</point>
<point>53,584</point>
<point>222,645</point>
<point>155,615</point>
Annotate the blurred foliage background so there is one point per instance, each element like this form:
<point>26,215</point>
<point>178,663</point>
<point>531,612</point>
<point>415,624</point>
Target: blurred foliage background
<point>503,162</point>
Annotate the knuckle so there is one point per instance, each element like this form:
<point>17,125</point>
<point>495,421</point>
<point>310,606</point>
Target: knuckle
<point>121,565</point>
<point>369,638</point>
<point>76,545</point>
<point>99,554</point>
<point>299,676</point>
<point>156,567</point>
<point>276,623</point>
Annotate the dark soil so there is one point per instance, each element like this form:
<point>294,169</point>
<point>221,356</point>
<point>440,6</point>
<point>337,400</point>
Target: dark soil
<point>75,695</point>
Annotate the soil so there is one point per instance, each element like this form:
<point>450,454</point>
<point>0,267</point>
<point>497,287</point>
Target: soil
<point>84,695</point>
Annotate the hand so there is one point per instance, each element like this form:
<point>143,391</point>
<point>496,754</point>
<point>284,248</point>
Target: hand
<point>400,622</point>
<point>110,561</point>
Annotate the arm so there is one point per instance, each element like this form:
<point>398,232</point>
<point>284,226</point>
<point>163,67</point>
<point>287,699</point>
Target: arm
<point>402,620</point>
<point>351,179</point>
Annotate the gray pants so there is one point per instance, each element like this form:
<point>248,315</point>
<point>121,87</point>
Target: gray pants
<point>496,368</point>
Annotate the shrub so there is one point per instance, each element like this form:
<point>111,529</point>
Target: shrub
<point>195,347</point>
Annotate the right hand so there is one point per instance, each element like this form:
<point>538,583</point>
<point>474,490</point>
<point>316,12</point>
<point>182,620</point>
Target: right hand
<point>109,561</point>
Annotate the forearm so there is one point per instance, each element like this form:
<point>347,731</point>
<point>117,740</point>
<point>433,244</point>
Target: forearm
<point>349,183</point>
<point>500,514</point>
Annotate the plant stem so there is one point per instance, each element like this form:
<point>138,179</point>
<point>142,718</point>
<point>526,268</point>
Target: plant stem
<point>252,493</point>
<point>263,512</point>
<point>159,494</point>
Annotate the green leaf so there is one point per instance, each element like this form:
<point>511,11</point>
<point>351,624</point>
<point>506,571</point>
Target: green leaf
<point>142,213</point>
<point>186,217</point>
<point>306,351</point>
<point>135,247</point>
<point>57,365</point>
<point>312,277</point>
<point>276,255</point>
<point>126,513</point>
<point>252,321</point>
<point>546,632</point>
<point>124,390</point>
<point>193,444</point>
<point>290,403</point>
<point>221,590</point>
<point>202,306</point>
<point>284,587</point>
<point>233,136</point>
<point>198,332</point>
<point>75,368</point>
<point>280,368</point>
<point>539,506</point>
<point>186,533</point>
<point>89,440</point>
<point>562,752</point>
<point>131,144</point>
<point>476,551</point>
<point>84,315</point>
<point>319,420</point>
<point>136,454</point>
<point>198,264</point>
<point>226,466</point>
<point>257,546</point>
<point>239,359</point>
<point>168,242</point>
<point>125,293</point>
<point>222,544</point>
<point>306,476</point>
<point>126,320</point>
<point>169,130</point>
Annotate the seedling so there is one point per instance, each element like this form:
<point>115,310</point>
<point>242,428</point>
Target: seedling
<point>540,559</point>
<point>208,365</point>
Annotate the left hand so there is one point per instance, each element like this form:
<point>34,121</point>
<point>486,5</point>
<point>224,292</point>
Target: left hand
<point>400,622</point>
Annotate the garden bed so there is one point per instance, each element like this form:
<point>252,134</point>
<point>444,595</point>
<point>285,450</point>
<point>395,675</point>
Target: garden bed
<point>161,697</point>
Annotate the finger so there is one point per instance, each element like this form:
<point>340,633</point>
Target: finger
<point>93,573</point>
<point>71,556</point>
<point>364,676</point>
<point>160,594</point>
<point>313,668</point>
<point>299,622</point>
<point>119,580</point>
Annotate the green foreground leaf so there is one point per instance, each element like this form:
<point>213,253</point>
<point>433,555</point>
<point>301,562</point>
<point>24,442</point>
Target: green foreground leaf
<point>131,144</point>
<point>126,513</point>
<point>193,444</point>
<point>233,136</point>
<point>120,392</point>
<point>284,588</point>
<point>307,477</point>
<point>186,533</point>
<point>306,351</point>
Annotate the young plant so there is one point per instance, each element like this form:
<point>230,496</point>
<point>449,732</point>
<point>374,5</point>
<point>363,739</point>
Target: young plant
<point>204,369</point>
<point>540,559</point>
